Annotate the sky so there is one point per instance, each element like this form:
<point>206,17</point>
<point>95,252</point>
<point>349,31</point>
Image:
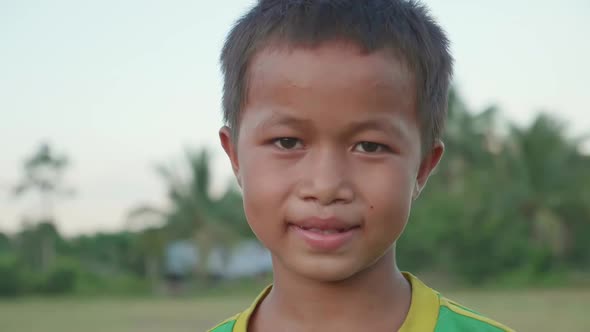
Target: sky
<point>121,86</point>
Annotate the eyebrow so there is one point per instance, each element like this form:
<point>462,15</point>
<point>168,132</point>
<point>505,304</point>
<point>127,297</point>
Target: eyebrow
<point>381,123</point>
<point>284,120</point>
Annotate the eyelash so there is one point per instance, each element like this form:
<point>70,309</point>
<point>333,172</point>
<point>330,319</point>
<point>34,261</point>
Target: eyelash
<point>277,142</point>
<point>380,147</point>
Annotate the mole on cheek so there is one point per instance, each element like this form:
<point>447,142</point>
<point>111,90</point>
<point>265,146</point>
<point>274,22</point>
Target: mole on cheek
<point>371,207</point>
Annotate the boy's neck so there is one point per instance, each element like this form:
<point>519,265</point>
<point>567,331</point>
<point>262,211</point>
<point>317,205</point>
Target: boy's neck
<point>377,298</point>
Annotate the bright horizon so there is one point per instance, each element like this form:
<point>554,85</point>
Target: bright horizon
<point>121,86</point>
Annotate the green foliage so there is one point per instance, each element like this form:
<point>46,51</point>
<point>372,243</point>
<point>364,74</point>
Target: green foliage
<point>506,203</point>
<point>60,279</point>
<point>36,244</point>
<point>11,280</point>
<point>66,276</point>
<point>5,243</point>
<point>92,284</point>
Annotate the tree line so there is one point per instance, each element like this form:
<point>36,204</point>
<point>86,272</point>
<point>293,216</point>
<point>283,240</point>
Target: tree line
<point>508,204</point>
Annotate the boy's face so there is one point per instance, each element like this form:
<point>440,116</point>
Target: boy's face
<point>328,156</point>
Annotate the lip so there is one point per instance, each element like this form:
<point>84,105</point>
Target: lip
<point>324,224</point>
<point>327,234</point>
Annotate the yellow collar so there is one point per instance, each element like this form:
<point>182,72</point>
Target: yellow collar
<point>422,315</point>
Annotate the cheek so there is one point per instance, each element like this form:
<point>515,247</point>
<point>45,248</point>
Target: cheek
<point>263,190</point>
<point>388,193</point>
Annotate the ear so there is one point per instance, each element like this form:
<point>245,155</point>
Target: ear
<point>429,162</point>
<point>230,148</point>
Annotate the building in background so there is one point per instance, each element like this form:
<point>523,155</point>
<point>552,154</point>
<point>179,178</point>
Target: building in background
<point>247,259</point>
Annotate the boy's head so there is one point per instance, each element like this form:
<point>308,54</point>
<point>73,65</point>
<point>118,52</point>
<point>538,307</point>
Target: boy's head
<point>402,27</point>
<point>334,111</point>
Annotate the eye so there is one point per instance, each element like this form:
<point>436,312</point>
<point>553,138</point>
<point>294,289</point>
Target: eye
<point>370,147</point>
<point>287,143</point>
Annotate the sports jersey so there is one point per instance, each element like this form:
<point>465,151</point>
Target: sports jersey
<point>429,312</point>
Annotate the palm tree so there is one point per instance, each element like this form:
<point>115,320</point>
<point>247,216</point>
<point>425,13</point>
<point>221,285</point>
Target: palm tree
<point>552,177</point>
<point>521,195</point>
<point>43,173</point>
<point>194,213</point>
<point>149,245</point>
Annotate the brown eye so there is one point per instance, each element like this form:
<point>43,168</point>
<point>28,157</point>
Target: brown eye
<point>287,143</point>
<point>369,147</point>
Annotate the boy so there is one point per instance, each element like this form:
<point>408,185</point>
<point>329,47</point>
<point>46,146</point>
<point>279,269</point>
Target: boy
<point>334,111</point>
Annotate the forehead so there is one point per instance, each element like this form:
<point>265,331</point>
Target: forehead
<point>331,72</point>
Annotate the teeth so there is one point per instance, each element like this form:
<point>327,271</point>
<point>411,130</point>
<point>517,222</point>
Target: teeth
<point>323,231</point>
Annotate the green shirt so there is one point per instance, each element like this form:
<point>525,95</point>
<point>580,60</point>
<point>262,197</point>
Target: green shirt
<point>429,312</point>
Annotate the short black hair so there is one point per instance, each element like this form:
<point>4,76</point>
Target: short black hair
<point>404,26</point>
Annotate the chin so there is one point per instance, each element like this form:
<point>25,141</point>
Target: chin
<point>326,270</point>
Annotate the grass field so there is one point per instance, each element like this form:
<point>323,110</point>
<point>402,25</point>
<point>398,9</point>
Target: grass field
<point>540,311</point>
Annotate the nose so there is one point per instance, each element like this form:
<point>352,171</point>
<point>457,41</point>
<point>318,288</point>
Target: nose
<point>326,179</point>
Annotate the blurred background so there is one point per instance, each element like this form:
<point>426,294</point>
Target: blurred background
<point>118,210</point>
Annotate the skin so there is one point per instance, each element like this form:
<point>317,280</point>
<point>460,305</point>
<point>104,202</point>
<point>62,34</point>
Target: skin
<point>330,131</point>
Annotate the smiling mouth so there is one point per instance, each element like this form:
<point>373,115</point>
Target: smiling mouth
<point>325,235</point>
<point>326,231</point>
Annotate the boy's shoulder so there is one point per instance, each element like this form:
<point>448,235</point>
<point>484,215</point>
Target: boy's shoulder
<point>429,312</point>
<point>453,317</point>
<point>239,322</point>
<point>225,326</point>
